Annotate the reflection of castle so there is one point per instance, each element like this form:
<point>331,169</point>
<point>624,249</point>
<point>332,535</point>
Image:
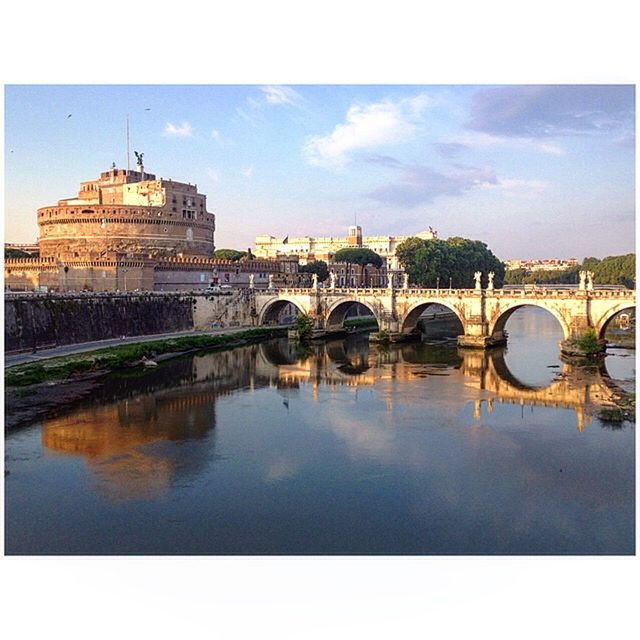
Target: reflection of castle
<point>123,431</point>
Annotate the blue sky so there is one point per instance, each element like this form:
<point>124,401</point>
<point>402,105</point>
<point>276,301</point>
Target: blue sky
<point>533,171</point>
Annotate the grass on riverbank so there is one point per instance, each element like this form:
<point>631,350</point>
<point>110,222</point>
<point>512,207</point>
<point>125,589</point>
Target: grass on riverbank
<point>126,355</point>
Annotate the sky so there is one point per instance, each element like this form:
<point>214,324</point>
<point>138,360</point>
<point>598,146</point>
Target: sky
<point>534,171</point>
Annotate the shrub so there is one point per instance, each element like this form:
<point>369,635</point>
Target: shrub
<point>589,342</point>
<point>304,326</point>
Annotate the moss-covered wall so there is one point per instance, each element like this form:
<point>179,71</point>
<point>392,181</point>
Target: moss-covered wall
<point>48,321</point>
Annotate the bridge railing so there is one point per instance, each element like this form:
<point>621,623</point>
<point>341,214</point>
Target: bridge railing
<point>547,292</point>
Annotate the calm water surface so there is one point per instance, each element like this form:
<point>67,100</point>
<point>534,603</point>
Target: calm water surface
<point>345,448</point>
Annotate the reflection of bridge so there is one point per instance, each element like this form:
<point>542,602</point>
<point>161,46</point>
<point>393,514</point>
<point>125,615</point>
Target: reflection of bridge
<point>355,363</point>
<point>483,313</point>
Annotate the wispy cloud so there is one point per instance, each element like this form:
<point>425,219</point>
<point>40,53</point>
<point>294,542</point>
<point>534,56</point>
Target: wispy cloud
<point>278,95</point>
<point>271,95</point>
<point>213,174</point>
<point>516,187</point>
<point>367,127</point>
<point>215,134</point>
<point>247,172</point>
<point>545,111</point>
<point>478,140</point>
<point>185,130</point>
<point>421,185</point>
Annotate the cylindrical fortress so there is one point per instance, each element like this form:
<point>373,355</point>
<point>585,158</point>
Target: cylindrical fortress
<point>128,212</point>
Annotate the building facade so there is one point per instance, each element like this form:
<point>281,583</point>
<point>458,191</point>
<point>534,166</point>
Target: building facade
<point>309,249</point>
<point>131,213</point>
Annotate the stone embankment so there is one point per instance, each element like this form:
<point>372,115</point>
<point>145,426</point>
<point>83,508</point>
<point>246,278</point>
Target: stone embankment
<point>35,321</point>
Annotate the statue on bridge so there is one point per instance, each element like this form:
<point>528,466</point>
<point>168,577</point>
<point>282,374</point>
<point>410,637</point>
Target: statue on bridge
<point>390,281</point>
<point>405,281</point>
<point>314,280</point>
<point>332,280</point>
<point>589,280</point>
<point>251,285</point>
<point>583,279</point>
<point>490,275</point>
<point>270,282</point>
<point>477,275</point>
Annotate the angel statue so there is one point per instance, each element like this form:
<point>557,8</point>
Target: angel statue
<point>332,277</point>
<point>583,278</point>
<point>251,285</point>
<point>477,275</point>
<point>490,276</point>
<point>314,280</point>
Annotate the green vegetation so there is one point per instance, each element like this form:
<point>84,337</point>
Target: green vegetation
<point>358,255</point>
<point>304,327</point>
<point>319,267</point>
<point>16,254</point>
<point>430,263</point>
<point>229,254</point>
<point>611,414</point>
<point>365,321</point>
<point>380,336</point>
<point>126,356</point>
<point>589,342</point>
<point>619,270</point>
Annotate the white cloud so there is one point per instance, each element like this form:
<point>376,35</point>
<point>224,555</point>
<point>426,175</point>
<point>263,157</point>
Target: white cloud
<point>215,134</point>
<point>514,187</point>
<point>185,130</point>
<point>277,95</point>
<point>247,172</point>
<point>213,174</point>
<point>367,127</point>
<point>479,140</point>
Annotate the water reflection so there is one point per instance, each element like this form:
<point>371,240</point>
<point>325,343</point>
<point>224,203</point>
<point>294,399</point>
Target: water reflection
<point>123,433</point>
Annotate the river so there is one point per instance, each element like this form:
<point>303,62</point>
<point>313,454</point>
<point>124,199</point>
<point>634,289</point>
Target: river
<point>339,448</point>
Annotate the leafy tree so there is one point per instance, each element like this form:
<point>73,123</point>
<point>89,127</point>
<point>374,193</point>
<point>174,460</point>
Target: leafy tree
<point>619,270</point>
<point>455,260</point>
<point>358,255</point>
<point>229,254</point>
<point>319,267</point>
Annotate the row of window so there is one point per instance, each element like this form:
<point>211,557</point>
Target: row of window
<point>120,221</point>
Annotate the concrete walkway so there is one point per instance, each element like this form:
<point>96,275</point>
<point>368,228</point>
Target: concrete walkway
<point>64,350</point>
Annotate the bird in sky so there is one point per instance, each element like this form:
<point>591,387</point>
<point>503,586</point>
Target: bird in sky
<point>148,109</point>
<point>69,116</point>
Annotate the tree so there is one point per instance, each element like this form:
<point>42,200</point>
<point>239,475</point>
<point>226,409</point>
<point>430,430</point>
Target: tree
<point>358,255</point>
<point>319,267</point>
<point>455,260</point>
<point>229,254</point>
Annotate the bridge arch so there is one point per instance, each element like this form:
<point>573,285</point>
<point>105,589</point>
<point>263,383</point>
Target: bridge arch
<point>409,323</point>
<point>496,325</point>
<point>272,309</point>
<point>338,310</point>
<point>601,324</point>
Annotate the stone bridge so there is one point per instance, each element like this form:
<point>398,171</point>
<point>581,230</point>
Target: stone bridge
<point>482,313</point>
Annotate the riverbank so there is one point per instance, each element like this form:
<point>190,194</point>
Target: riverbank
<point>34,390</point>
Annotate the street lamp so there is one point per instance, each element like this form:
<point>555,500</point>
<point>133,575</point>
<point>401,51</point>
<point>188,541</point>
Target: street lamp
<point>449,284</point>
<point>438,283</point>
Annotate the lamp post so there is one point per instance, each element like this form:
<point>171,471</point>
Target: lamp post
<point>438,283</point>
<point>449,284</point>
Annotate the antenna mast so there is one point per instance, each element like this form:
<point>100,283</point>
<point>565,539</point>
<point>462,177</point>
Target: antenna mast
<point>127,143</point>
